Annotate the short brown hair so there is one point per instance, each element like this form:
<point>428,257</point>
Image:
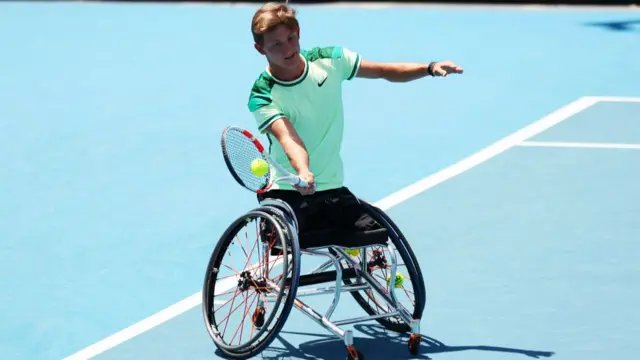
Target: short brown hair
<point>270,16</point>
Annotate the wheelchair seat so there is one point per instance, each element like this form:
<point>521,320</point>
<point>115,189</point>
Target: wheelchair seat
<point>329,237</point>
<point>352,239</point>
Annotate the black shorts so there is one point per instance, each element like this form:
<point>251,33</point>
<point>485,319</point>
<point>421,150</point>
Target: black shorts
<point>331,217</point>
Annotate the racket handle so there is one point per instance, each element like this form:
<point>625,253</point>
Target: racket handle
<point>301,182</point>
<point>293,179</point>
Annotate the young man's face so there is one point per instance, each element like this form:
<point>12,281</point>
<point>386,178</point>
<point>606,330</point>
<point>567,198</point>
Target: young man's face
<point>281,47</point>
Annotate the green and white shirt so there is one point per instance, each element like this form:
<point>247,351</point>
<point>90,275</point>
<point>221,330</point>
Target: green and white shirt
<point>313,104</point>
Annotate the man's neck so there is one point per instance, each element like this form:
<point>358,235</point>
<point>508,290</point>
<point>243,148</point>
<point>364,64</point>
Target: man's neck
<point>287,74</point>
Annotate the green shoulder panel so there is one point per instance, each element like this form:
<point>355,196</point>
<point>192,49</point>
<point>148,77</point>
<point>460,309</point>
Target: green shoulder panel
<point>317,53</point>
<point>261,92</point>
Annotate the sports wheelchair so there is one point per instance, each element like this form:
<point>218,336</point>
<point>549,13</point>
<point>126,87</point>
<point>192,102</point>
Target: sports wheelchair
<point>266,295</point>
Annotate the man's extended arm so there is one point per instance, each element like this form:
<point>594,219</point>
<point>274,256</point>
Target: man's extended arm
<point>294,147</point>
<point>405,71</point>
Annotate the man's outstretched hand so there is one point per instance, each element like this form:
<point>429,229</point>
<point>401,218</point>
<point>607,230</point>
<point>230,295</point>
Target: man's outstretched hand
<point>444,68</point>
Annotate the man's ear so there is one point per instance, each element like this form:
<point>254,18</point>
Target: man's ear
<point>258,48</point>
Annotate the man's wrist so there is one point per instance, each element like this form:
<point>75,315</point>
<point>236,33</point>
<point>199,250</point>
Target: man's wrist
<point>430,68</point>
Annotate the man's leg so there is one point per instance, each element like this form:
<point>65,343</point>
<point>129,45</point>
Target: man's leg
<point>356,225</point>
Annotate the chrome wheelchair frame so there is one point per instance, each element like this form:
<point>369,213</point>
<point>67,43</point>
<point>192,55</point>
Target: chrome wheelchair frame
<point>351,275</point>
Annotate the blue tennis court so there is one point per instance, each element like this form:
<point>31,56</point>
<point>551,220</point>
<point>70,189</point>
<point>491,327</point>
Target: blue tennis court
<point>516,183</point>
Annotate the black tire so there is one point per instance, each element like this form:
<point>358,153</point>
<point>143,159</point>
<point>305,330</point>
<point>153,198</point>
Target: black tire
<point>255,345</point>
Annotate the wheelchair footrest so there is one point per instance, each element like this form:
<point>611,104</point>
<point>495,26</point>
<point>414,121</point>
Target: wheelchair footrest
<point>323,277</point>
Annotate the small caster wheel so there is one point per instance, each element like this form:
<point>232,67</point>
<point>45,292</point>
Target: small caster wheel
<point>353,354</point>
<point>414,344</point>
<point>258,317</point>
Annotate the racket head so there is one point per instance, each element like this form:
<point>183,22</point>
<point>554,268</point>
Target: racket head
<point>239,149</point>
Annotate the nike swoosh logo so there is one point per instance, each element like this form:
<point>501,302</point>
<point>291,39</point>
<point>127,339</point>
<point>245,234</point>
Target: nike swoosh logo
<point>322,82</point>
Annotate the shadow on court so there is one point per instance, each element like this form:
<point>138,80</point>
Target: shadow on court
<point>382,345</point>
<point>618,26</point>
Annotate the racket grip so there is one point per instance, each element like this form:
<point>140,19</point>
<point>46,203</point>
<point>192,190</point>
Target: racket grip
<point>302,182</point>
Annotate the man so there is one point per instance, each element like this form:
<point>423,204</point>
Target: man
<point>297,102</point>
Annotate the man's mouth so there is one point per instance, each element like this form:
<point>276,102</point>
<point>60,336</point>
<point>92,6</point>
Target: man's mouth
<point>291,56</point>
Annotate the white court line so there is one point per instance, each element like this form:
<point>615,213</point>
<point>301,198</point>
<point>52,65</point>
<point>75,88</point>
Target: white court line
<point>412,190</point>
<point>487,153</point>
<point>154,320</point>
<point>616,98</point>
<point>579,145</point>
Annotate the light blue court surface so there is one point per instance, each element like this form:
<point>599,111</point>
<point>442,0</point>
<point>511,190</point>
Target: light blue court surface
<point>113,190</point>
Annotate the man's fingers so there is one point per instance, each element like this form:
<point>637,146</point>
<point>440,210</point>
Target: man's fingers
<point>306,190</point>
<point>443,70</point>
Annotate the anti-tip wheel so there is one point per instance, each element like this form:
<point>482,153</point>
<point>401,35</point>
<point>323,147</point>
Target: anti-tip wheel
<point>414,344</point>
<point>353,354</point>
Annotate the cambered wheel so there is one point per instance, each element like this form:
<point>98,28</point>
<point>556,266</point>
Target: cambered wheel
<point>248,278</point>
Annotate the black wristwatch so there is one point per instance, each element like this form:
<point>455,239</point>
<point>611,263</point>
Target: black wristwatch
<point>430,68</point>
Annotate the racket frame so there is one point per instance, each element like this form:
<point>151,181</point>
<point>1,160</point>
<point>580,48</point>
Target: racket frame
<point>287,176</point>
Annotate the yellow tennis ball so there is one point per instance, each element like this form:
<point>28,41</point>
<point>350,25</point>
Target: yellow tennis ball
<point>259,167</point>
<point>353,252</point>
<point>399,279</point>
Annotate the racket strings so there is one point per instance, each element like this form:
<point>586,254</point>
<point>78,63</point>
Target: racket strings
<point>240,151</point>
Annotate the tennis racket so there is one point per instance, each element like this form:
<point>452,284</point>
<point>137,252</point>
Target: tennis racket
<point>240,148</point>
